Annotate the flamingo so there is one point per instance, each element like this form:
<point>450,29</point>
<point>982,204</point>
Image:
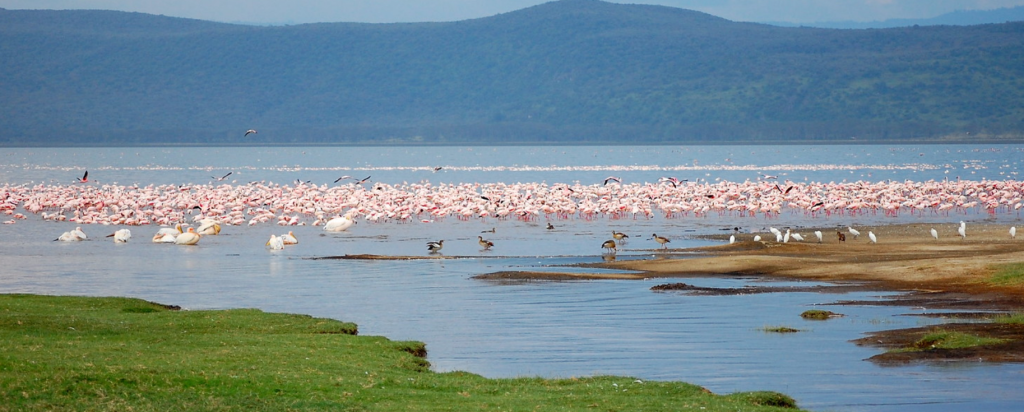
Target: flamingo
<point>249,132</point>
<point>84,178</point>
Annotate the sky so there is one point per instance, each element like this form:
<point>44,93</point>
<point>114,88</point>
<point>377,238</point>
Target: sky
<point>391,11</point>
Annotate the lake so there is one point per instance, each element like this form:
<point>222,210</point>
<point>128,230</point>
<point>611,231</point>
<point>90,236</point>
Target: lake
<point>550,329</point>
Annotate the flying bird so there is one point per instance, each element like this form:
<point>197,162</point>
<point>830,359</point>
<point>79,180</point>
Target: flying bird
<point>437,168</point>
<point>84,178</point>
<point>249,132</point>
<point>222,177</point>
<point>612,179</point>
<point>342,178</point>
<point>365,179</point>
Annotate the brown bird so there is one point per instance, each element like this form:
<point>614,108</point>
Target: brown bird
<point>619,235</point>
<point>609,244</point>
<point>662,240</point>
<point>484,243</point>
<point>842,237</point>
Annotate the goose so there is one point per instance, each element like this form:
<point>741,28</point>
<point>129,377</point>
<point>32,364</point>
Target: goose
<point>434,247</point>
<point>609,244</point>
<point>484,243</point>
<point>662,240</point>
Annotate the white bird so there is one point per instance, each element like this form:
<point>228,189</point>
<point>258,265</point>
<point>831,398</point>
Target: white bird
<point>289,239</point>
<point>935,233</point>
<point>249,132</point>
<point>434,247</point>
<point>187,238</point>
<point>757,238</point>
<point>121,235</point>
<point>166,238</point>
<point>209,227</point>
<point>817,234</point>
<point>853,232</point>
<point>732,239</point>
<point>339,224</point>
<point>68,237</point>
<point>78,232</point>
<point>871,235</point>
<point>962,231</point>
<point>798,237</point>
<point>275,243</point>
<point>785,238</point>
<point>1013,232</point>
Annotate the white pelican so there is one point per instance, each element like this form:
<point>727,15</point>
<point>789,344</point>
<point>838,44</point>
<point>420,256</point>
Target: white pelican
<point>935,233</point>
<point>484,243</point>
<point>609,244</point>
<point>817,234</point>
<point>662,240</point>
<point>78,232</point>
<point>289,239</point>
<point>68,237</point>
<point>757,238</point>
<point>339,224</point>
<point>871,235</point>
<point>434,247</point>
<point>166,238</point>
<point>208,227</point>
<point>188,238</point>
<point>275,243</point>
<point>121,235</point>
<point>854,232</point>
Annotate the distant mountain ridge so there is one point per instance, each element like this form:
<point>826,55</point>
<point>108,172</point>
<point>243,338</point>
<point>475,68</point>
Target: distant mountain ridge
<point>955,18</point>
<point>562,72</point>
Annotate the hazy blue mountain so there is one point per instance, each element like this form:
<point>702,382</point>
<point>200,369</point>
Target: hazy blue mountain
<point>955,18</point>
<point>566,71</point>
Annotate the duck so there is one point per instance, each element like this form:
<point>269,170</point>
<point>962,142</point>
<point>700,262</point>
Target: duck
<point>484,243</point>
<point>661,239</point>
<point>434,247</point>
<point>609,245</point>
<point>619,235</point>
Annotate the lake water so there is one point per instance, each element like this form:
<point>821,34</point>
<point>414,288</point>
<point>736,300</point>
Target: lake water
<point>551,329</point>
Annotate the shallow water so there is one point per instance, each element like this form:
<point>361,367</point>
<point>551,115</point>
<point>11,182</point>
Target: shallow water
<point>554,329</point>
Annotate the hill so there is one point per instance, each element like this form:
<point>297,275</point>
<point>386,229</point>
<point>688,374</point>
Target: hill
<point>566,71</point>
<point>955,18</point>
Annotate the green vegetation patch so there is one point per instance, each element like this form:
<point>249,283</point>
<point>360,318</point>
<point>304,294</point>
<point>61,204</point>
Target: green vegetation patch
<point>1013,318</point>
<point>818,314</point>
<point>101,354</point>
<point>1011,274</point>
<point>943,339</point>
<point>779,329</point>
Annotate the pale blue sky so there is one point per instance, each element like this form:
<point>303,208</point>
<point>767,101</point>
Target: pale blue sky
<point>387,11</point>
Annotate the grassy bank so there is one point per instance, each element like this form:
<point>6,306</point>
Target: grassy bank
<point>75,353</point>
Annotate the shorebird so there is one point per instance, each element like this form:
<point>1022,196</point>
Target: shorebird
<point>757,238</point>
<point>841,236</point>
<point>817,234</point>
<point>662,240</point>
<point>435,247</point>
<point>798,237</point>
<point>84,178</point>
<point>854,232</point>
<point>249,132</point>
<point>609,244</point>
<point>871,235</point>
<point>732,239</point>
<point>488,231</point>
<point>486,244</point>
<point>935,233</point>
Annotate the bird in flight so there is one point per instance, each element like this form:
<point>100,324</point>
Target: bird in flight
<point>222,177</point>
<point>249,132</point>
<point>437,168</point>
<point>84,178</point>
<point>612,179</point>
<point>363,181</point>
<point>342,178</point>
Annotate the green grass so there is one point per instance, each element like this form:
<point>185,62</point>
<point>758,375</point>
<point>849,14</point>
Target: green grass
<point>1013,318</point>
<point>942,339</point>
<point>1011,274</point>
<point>118,354</point>
<point>779,329</point>
<point>815,314</point>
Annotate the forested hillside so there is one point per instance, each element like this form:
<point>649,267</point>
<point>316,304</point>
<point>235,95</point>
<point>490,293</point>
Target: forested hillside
<point>566,71</point>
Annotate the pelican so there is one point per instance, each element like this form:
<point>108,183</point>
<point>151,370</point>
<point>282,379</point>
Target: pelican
<point>817,234</point>
<point>757,238</point>
<point>121,235</point>
<point>609,244</point>
<point>853,232</point>
<point>188,238</point>
<point>871,235</point>
<point>78,232</point>
<point>289,239</point>
<point>68,237</point>
<point>1013,232</point>
<point>619,235</point>
<point>339,224</point>
<point>249,132</point>
<point>486,244</point>
<point>275,243</point>
<point>165,238</point>
<point>935,233</point>
<point>435,247</point>
<point>209,227</point>
<point>662,240</point>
